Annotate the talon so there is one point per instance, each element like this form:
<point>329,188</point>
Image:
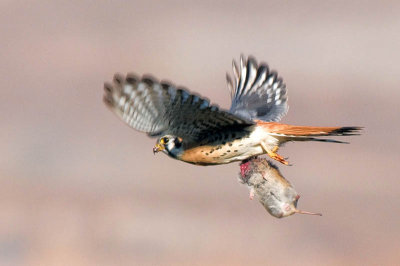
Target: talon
<point>272,153</point>
<point>279,158</point>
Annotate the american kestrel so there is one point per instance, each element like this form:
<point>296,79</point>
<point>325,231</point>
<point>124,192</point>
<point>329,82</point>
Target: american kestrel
<point>192,130</point>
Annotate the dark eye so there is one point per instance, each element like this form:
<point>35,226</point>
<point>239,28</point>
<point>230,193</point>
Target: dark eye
<point>166,140</point>
<point>178,143</point>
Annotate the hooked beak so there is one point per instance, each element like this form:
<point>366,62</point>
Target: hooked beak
<point>158,147</point>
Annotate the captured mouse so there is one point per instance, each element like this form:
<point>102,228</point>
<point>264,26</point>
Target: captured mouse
<point>274,192</point>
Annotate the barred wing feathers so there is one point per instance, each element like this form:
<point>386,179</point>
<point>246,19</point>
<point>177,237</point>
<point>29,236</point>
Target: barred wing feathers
<point>257,92</point>
<point>160,109</point>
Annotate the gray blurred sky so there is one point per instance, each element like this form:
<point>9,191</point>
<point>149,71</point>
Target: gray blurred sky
<point>78,187</point>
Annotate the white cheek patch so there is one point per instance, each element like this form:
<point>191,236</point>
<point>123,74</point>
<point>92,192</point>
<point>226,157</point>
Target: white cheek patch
<point>171,145</point>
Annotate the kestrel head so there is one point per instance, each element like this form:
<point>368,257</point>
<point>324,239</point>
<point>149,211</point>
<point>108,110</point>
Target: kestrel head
<point>170,145</point>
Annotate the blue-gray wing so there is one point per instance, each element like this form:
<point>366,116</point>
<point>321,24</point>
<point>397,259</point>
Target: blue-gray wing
<point>257,92</point>
<point>161,109</point>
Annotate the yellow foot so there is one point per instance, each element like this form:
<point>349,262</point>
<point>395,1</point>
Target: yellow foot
<point>277,157</point>
<point>272,153</point>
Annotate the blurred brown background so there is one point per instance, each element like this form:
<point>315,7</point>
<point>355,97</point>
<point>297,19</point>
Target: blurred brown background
<point>78,187</point>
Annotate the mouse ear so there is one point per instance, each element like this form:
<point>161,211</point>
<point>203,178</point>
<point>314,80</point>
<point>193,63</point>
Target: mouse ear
<point>306,212</point>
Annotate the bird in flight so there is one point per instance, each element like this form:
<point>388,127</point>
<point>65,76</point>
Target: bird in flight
<point>192,130</point>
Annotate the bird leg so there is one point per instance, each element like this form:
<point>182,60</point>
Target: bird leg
<point>272,153</point>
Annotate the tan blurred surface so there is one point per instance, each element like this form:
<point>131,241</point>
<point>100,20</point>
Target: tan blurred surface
<point>78,187</point>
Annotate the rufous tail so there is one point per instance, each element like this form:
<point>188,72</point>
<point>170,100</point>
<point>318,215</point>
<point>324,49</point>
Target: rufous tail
<point>308,133</point>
